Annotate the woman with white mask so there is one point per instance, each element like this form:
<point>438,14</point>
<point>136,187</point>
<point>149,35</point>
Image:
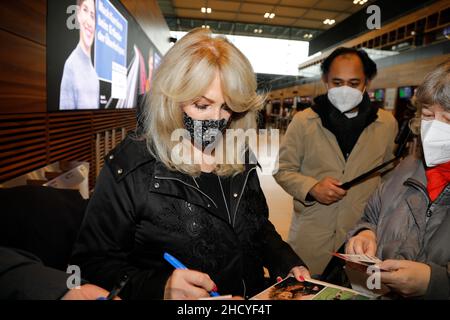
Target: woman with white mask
<point>407,221</point>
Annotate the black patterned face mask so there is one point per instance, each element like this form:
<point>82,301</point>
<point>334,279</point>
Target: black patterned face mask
<point>204,131</point>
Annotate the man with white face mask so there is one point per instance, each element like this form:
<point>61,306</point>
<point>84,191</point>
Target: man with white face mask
<point>339,138</point>
<point>407,220</point>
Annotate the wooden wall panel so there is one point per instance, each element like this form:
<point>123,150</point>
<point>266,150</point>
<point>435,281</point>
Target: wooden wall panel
<point>408,74</point>
<point>25,18</point>
<point>63,143</point>
<point>22,144</point>
<point>31,138</point>
<point>31,141</point>
<point>22,75</point>
<point>151,19</point>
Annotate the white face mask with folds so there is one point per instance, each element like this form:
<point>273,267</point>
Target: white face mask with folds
<point>435,141</point>
<point>345,98</point>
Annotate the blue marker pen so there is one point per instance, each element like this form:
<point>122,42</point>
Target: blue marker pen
<point>178,265</point>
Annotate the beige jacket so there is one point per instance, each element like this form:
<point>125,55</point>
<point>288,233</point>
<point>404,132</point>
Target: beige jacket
<point>309,153</point>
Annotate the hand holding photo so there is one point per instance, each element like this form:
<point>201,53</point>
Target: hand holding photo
<point>292,289</point>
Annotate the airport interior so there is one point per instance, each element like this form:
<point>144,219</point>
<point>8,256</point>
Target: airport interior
<point>81,83</point>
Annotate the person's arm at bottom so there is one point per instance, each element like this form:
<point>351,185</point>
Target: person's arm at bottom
<point>439,286</point>
<point>416,279</point>
<point>24,277</point>
<point>86,292</point>
<point>188,285</point>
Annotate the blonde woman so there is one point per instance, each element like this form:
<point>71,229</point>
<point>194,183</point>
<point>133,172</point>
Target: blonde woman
<point>210,215</point>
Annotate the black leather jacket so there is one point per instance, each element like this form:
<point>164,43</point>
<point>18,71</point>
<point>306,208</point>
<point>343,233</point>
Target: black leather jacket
<point>140,209</point>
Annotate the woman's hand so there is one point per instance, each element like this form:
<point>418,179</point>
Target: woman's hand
<point>188,285</point>
<point>86,292</point>
<point>300,273</point>
<point>364,242</point>
<point>409,278</point>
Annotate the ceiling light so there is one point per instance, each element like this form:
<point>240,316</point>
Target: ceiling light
<point>269,15</point>
<point>206,10</point>
<point>205,26</point>
<point>272,15</point>
<point>266,15</point>
<point>329,21</point>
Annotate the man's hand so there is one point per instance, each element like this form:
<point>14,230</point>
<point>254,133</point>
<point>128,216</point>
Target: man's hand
<point>409,278</point>
<point>188,285</point>
<point>86,292</point>
<point>328,191</point>
<point>365,242</point>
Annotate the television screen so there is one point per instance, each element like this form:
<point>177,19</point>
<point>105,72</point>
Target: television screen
<point>379,95</point>
<point>98,57</point>
<point>405,92</point>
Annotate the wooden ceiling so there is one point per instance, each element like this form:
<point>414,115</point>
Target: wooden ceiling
<point>297,15</point>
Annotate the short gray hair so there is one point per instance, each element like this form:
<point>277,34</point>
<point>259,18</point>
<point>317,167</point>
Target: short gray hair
<point>435,89</point>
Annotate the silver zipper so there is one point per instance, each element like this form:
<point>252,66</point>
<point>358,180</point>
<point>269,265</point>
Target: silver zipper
<point>193,178</point>
<point>225,201</point>
<point>189,185</point>
<point>240,196</point>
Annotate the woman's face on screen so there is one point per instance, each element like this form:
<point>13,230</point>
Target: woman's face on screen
<point>86,19</point>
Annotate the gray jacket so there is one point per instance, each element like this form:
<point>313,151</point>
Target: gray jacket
<point>409,226</point>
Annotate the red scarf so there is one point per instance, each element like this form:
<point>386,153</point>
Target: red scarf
<point>438,177</point>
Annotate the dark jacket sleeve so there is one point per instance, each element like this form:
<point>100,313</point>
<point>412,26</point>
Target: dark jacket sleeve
<point>107,237</point>
<point>439,286</point>
<point>24,277</point>
<point>279,257</point>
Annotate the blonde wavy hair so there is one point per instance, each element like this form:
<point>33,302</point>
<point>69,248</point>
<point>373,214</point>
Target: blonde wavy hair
<point>185,73</point>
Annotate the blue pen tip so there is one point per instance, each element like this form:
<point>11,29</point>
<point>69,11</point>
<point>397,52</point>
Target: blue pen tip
<point>214,294</point>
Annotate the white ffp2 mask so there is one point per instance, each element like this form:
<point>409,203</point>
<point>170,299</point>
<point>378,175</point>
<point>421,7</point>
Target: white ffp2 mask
<point>435,141</point>
<point>345,98</point>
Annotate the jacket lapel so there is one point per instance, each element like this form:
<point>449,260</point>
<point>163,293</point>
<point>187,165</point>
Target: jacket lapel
<point>330,138</point>
<point>179,185</point>
<point>418,204</point>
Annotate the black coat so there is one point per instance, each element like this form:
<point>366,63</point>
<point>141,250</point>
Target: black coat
<point>140,209</point>
<point>24,277</point>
